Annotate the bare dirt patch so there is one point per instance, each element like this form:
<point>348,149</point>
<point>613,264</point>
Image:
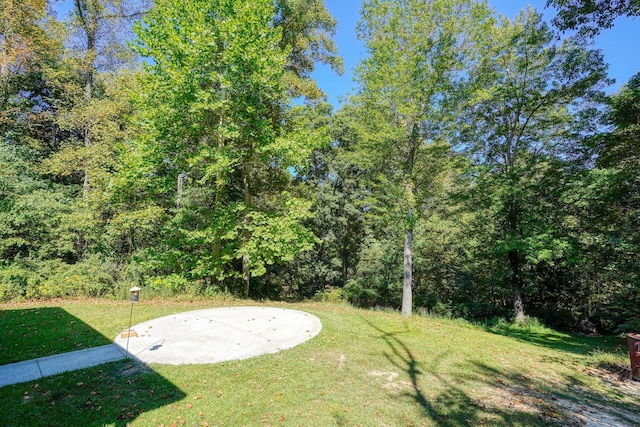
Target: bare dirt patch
<point>618,377</point>
<point>390,380</point>
<point>583,411</point>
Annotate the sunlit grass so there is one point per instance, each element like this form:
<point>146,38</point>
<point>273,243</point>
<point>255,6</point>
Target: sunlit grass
<point>365,368</point>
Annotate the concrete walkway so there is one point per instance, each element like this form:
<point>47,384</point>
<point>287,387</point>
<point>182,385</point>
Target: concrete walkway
<point>35,369</point>
<point>193,337</point>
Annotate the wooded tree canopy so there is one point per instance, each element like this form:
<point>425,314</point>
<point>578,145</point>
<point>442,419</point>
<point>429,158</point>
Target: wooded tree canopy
<point>592,16</point>
<point>478,169</point>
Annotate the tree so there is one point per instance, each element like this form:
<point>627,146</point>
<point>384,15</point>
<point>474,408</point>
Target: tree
<point>22,41</point>
<point>89,113</point>
<point>307,34</point>
<point>591,16</point>
<point>528,93</point>
<point>27,48</point>
<point>613,189</point>
<point>335,185</point>
<point>98,32</point>
<point>213,109</point>
<point>417,53</point>
<point>619,146</point>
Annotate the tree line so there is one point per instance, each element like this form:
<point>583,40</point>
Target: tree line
<point>477,170</point>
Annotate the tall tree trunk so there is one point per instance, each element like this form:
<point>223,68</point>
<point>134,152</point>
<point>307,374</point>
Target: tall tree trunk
<point>4,77</point>
<point>246,271</point>
<point>407,285</point>
<point>88,93</point>
<point>180,190</point>
<point>246,274</point>
<point>515,262</point>
<point>87,14</point>
<point>516,284</point>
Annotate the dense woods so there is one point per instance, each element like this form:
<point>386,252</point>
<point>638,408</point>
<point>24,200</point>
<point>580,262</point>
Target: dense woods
<point>478,170</point>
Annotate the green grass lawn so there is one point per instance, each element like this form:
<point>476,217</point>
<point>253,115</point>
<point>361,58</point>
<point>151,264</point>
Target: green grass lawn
<point>367,368</point>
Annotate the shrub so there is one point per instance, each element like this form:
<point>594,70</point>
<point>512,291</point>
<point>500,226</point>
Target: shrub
<point>91,277</point>
<point>529,326</point>
<point>17,283</point>
<point>27,279</point>
<point>174,285</point>
<point>441,309</point>
<point>360,296</point>
<point>477,311</point>
<point>330,295</point>
<point>166,286</point>
<point>623,314</point>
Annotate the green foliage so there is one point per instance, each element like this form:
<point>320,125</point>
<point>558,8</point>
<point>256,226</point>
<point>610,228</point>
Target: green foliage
<point>35,216</point>
<point>330,295</point>
<point>17,283</point>
<point>196,244</point>
<point>529,326</point>
<point>408,91</point>
<point>483,143</point>
<point>169,286</point>
<point>212,110</point>
<point>615,190</point>
<point>620,314</point>
<point>91,277</point>
<point>28,47</point>
<point>528,92</point>
<point>277,238</point>
<point>38,279</point>
<point>307,35</point>
<point>336,187</point>
<point>130,231</point>
<point>379,279</point>
<point>441,310</point>
<point>591,17</point>
<point>210,94</point>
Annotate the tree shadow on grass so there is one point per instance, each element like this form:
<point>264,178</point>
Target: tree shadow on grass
<point>450,403</point>
<point>460,391</point>
<point>39,332</point>
<point>570,396</point>
<point>110,394</point>
<point>570,343</point>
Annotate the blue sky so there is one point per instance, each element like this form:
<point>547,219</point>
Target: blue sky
<point>619,44</point>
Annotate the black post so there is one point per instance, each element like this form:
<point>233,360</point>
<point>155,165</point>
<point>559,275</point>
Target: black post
<point>135,297</point>
<point>126,354</point>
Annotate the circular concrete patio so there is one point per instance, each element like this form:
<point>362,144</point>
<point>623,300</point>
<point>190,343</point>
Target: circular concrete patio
<point>218,334</point>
